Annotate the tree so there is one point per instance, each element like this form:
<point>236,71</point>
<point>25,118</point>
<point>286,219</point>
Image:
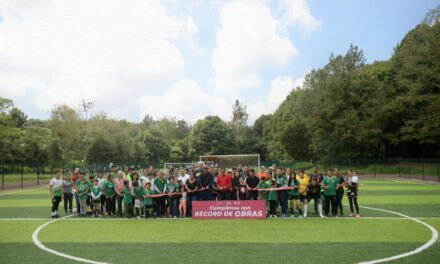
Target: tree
<point>211,135</point>
<point>239,126</point>
<point>55,153</point>
<point>100,150</point>
<point>18,118</point>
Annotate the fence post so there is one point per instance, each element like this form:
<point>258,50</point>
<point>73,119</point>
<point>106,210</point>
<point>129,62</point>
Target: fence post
<point>3,179</point>
<point>423,170</point>
<point>438,170</point>
<point>409,169</point>
<point>400,170</point>
<point>375,170</point>
<point>38,175</point>
<point>22,175</point>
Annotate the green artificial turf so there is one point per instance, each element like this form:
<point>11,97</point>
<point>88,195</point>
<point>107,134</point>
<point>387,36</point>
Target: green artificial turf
<point>310,240</point>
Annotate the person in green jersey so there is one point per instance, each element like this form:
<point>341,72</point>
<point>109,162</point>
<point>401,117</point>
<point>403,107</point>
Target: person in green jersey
<point>96,193</point>
<point>110,195</point>
<point>293,194</point>
<point>148,201</point>
<point>127,175</point>
<point>329,184</point>
<point>272,199</point>
<point>56,190</point>
<point>281,181</point>
<point>170,188</point>
<point>263,195</point>
<point>83,187</point>
<point>159,188</point>
<point>138,206</point>
<point>128,200</point>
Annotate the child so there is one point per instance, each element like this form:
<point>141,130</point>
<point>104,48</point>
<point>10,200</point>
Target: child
<point>137,190</point>
<point>272,198</point>
<point>241,190</point>
<point>264,195</point>
<point>128,199</point>
<point>170,188</point>
<point>182,202</point>
<point>96,193</point>
<point>148,201</point>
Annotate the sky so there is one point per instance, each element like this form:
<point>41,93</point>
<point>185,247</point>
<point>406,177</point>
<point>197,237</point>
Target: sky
<point>183,59</point>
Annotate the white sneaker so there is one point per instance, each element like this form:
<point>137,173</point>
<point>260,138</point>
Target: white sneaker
<point>305,215</point>
<point>138,217</point>
<point>300,216</point>
<point>292,216</point>
<point>321,216</point>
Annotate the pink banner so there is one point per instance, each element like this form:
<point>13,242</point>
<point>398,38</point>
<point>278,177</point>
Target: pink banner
<point>228,209</point>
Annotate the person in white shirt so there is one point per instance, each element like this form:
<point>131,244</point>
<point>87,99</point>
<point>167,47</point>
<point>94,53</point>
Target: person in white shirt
<point>56,190</point>
<point>352,192</point>
<point>183,176</point>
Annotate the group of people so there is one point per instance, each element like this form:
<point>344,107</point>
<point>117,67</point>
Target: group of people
<point>151,193</point>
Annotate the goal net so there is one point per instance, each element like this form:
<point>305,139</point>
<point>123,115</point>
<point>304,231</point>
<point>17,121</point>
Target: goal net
<point>231,161</point>
<point>168,165</point>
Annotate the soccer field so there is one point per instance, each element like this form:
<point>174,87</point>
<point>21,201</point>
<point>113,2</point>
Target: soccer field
<point>377,235</point>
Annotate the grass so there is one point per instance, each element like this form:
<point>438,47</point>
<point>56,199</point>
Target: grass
<point>310,240</point>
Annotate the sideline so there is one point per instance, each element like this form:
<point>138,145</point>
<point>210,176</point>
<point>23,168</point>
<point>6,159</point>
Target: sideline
<point>22,190</point>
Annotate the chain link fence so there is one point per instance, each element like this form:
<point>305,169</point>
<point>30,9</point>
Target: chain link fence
<point>22,175</point>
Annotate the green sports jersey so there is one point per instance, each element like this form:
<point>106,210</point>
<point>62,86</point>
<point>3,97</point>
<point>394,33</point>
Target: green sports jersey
<point>109,188</point>
<point>292,183</point>
<point>127,176</point>
<point>172,187</point>
<point>264,194</point>
<point>137,191</point>
<point>160,184</point>
<point>331,183</point>
<point>148,201</point>
<point>96,190</point>
<point>128,199</point>
<point>82,189</point>
<point>272,196</point>
<point>281,180</point>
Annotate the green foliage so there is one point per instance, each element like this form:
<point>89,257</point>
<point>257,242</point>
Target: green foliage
<point>211,135</point>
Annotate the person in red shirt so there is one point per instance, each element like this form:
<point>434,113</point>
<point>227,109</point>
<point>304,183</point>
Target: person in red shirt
<point>224,182</point>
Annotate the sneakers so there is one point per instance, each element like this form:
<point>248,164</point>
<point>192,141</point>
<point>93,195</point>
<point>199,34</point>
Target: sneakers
<point>305,215</point>
<point>300,217</point>
<point>351,215</point>
<point>292,216</point>
<point>358,216</point>
<point>321,216</point>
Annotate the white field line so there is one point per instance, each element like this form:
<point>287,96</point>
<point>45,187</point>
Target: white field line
<point>428,244</point>
<point>423,247</point>
<point>20,191</point>
<point>38,243</point>
<point>170,219</point>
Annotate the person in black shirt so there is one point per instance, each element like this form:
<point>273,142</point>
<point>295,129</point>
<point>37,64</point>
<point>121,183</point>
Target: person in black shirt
<point>319,177</point>
<point>252,182</point>
<point>206,180</point>
<point>235,185</point>
<point>340,193</point>
<point>314,193</point>
<point>191,185</point>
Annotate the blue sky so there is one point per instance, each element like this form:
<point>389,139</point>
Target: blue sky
<point>186,59</point>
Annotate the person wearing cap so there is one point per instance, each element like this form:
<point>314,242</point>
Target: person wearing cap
<point>224,182</point>
<point>206,180</point>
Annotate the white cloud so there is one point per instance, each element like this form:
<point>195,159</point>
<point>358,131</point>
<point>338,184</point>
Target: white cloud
<point>248,41</point>
<point>184,100</point>
<point>280,87</point>
<point>298,14</point>
<point>63,51</point>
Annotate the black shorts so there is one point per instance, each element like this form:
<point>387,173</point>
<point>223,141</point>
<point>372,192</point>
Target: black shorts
<point>148,206</point>
<point>302,198</point>
<point>97,201</point>
<point>293,197</point>
<point>314,196</point>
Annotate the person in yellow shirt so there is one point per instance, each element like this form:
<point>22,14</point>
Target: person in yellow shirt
<point>302,191</point>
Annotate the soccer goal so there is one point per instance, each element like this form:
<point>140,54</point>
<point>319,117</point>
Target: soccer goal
<point>168,165</point>
<point>230,161</point>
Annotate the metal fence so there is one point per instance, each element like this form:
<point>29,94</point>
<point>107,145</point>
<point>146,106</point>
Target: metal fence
<point>28,175</point>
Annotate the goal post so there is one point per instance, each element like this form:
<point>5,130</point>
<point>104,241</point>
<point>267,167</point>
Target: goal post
<point>230,161</point>
<point>168,165</point>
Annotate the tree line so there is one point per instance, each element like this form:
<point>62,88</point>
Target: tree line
<point>348,109</point>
